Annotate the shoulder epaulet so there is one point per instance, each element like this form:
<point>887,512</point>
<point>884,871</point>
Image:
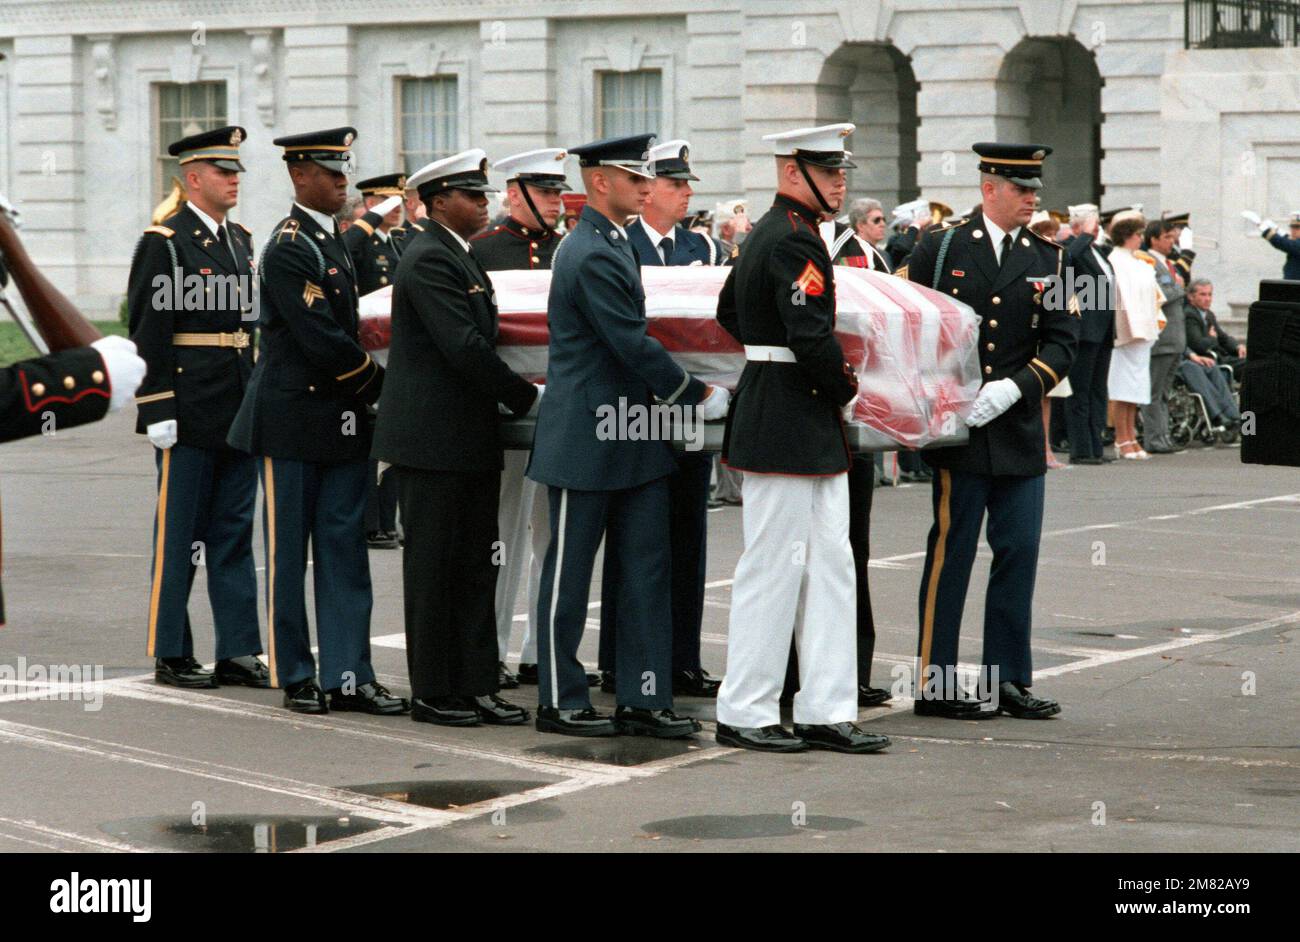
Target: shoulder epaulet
<point>162,231</point>
<point>955,225</point>
<point>1041,238</point>
<point>1144,257</point>
<point>247,231</point>
<point>290,229</point>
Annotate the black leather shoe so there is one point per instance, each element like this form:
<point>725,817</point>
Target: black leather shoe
<point>1016,700</point>
<point>246,671</point>
<point>606,681</point>
<point>381,539</point>
<point>527,674</point>
<point>840,737</point>
<point>182,672</point>
<point>593,680</point>
<point>574,722</point>
<point>505,679</point>
<point>305,697</point>
<point>760,739</point>
<point>371,698</point>
<point>696,683</point>
<point>662,724</point>
<point>445,711</point>
<point>872,696</point>
<point>953,709</point>
<point>497,712</point>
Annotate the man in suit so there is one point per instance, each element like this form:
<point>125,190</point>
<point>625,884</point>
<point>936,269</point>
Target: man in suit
<point>786,433</point>
<point>1028,334</point>
<point>444,394</point>
<point>1085,410</point>
<point>607,477</point>
<point>305,416</point>
<point>200,360</point>
<point>659,238</point>
<point>1200,371</point>
<point>1206,338</point>
<point>1167,352</point>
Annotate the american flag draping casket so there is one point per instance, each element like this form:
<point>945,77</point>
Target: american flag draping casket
<point>915,350</point>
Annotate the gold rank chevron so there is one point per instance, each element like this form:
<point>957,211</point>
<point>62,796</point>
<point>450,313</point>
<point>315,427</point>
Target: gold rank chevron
<point>311,293</point>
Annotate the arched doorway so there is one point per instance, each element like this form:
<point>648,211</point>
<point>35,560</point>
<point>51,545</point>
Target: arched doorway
<point>872,85</point>
<point>1049,92</point>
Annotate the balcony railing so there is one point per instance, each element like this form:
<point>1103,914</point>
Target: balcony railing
<point>1240,24</point>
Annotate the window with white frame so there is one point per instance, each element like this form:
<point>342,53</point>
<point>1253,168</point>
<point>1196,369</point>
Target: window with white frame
<point>182,110</point>
<point>427,117</point>
<point>629,102</point>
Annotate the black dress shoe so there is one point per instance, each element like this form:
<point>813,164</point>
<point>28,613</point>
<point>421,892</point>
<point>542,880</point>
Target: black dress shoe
<point>593,679</point>
<point>840,737</point>
<point>182,672</point>
<point>1016,700</point>
<point>246,671</point>
<point>497,712</point>
<point>606,682</point>
<point>953,709</point>
<point>527,674</point>
<point>445,711</point>
<point>662,724</point>
<point>305,697</point>
<point>574,722</point>
<point>872,696</point>
<point>505,679</point>
<point>761,738</point>
<point>381,539</point>
<point>696,683</point>
<point>371,698</point>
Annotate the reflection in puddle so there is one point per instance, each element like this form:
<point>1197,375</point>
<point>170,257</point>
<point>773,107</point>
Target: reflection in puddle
<point>444,794</point>
<point>239,834</point>
<point>619,750</point>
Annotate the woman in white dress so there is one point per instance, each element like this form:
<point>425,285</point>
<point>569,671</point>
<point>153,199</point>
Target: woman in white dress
<point>1138,322</point>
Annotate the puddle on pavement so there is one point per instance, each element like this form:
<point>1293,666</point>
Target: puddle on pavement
<point>1094,634</point>
<point>239,834</point>
<point>714,827</point>
<point>445,795</point>
<point>619,750</point>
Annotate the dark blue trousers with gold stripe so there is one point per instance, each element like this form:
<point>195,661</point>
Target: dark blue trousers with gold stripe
<point>1015,515</point>
<point>205,511</point>
<point>322,505</point>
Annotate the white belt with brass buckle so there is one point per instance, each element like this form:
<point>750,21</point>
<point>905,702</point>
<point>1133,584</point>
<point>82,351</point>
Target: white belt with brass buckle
<point>760,354</point>
<point>239,340</point>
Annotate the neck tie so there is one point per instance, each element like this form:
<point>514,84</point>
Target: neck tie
<point>224,239</point>
<point>1006,250</point>
<point>665,249</point>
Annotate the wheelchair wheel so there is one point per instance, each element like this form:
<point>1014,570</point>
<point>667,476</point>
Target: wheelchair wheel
<point>1183,415</point>
<point>1229,436</point>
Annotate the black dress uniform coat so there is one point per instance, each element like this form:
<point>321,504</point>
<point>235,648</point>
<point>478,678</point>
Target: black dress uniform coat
<point>373,256</point>
<point>785,417</point>
<point>312,373</point>
<point>1027,334</point>
<point>201,387</point>
<point>513,246</point>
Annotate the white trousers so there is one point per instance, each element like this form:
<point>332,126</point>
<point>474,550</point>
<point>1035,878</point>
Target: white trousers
<point>521,510</point>
<point>795,578</point>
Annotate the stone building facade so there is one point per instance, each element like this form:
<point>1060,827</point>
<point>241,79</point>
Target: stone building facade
<point>90,90</point>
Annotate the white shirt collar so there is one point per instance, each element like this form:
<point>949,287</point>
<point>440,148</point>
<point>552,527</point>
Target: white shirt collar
<point>996,233</point>
<point>463,244</point>
<point>382,234</point>
<point>324,221</point>
<point>207,220</point>
<point>656,236</point>
<point>1160,258</point>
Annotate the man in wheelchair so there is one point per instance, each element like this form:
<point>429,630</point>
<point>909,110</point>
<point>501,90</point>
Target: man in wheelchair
<point>1212,356</point>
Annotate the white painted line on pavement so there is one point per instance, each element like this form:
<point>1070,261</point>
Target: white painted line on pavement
<point>103,843</point>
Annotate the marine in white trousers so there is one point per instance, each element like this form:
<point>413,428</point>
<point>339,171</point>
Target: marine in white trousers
<point>520,512</point>
<point>795,577</point>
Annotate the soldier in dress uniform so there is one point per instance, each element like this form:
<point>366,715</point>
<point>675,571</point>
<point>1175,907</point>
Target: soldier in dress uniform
<point>607,482</point>
<point>1028,336</point>
<point>413,212</point>
<point>444,394</point>
<point>1180,256</point>
<point>786,433</point>
<point>200,360</point>
<point>305,417</point>
<point>525,241</point>
<point>659,238</point>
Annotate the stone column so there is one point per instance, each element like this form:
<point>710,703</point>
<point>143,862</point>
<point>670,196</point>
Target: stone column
<point>517,89</point>
<point>320,68</point>
<point>713,109</point>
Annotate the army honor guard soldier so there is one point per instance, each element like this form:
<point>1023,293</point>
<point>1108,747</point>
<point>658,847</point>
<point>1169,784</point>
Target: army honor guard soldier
<point>615,486</point>
<point>439,416</point>
<point>200,360</point>
<point>304,416</point>
<point>785,432</point>
<point>1028,336</point>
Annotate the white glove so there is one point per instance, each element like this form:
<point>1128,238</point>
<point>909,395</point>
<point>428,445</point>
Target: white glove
<point>162,434</point>
<point>124,367</point>
<point>1267,226</point>
<point>714,405</point>
<point>1250,217</point>
<point>1185,241</point>
<point>387,206</point>
<point>537,403</point>
<point>994,399</point>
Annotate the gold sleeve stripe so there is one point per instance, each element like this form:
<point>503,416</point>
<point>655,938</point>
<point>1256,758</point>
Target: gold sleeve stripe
<point>1050,371</point>
<point>350,373</point>
<point>362,224</point>
<point>161,230</point>
<point>155,397</point>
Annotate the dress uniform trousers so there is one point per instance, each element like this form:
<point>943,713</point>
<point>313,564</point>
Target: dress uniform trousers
<point>1015,515</point>
<point>448,580</point>
<point>794,580</point>
<point>634,522</point>
<point>320,504</point>
<point>688,496</point>
<point>523,514</point>
<point>205,503</point>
